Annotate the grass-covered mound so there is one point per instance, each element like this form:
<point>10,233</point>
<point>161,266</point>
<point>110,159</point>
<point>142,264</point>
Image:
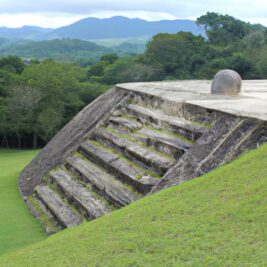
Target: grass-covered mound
<point>217,220</point>
<point>17,226</point>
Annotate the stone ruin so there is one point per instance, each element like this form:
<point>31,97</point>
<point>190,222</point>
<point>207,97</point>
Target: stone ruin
<point>139,138</point>
<point>226,82</point>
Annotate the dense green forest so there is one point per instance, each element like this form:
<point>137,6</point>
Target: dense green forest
<point>38,98</point>
<point>67,50</point>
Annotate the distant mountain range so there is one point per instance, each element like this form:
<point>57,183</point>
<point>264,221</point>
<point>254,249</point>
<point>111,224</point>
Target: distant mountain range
<point>121,27</point>
<point>97,29</point>
<point>25,32</point>
<point>88,39</point>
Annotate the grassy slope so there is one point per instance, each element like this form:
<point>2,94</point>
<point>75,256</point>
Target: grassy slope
<point>217,220</point>
<point>17,226</point>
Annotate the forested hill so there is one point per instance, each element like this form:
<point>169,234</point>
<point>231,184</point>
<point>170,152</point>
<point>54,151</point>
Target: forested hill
<point>60,50</point>
<point>111,28</point>
<point>122,27</point>
<point>25,32</point>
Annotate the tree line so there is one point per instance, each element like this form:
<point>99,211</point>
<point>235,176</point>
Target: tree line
<point>37,99</point>
<point>229,43</point>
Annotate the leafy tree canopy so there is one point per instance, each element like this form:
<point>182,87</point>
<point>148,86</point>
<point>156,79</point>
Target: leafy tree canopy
<point>224,29</point>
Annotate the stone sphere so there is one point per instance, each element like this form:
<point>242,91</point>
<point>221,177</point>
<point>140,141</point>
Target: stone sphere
<point>226,82</point>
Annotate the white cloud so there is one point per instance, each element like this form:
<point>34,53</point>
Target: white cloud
<point>262,21</point>
<point>182,7</point>
<point>46,20</point>
<point>55,13</point>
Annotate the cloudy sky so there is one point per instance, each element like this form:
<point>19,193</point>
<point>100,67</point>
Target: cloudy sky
<point>56,13</point>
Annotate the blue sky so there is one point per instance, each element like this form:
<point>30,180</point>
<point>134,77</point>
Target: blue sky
<point>56,13</point>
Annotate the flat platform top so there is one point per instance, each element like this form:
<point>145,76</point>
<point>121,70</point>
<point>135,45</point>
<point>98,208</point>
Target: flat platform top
<point>251,102</point>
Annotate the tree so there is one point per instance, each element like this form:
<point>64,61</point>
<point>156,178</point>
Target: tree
<point>7,80</point>
<point>89,91</point>
<point>12,64</point>
<point>224,29</point>
<point>212,67</point>
<point>4,122</point>
<point>97,69</point>
<point>244,66</point>
<point>129,70</point>
<point>109,58</point>
<point>48,123</point>
<point>255,39</point>
<point>178,54</point>
<point>57,84</point>
<point>22,103</point>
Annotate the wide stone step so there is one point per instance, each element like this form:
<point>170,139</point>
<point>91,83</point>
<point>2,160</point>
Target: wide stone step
<point>64,214</point>
<point>124,123</point>
<point>83,198</point>
<point>159,162</point>
<point>43,214</point>
<point>158,118</point>
<point>107,185</point>
<point>165,142</point>
<point>126,171</point>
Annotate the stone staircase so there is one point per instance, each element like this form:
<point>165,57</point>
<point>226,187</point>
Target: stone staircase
<point>118,162</point>
<point>134,140</point>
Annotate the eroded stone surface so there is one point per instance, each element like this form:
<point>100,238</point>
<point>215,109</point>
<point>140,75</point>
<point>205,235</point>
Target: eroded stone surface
<point>166,138</point>
<point>107,184</point>
<point>160,162</point>
<point>165,143</point>
<point>126,123</point>
<point>93,206</point>
<point>123,168</point>
<point>59,208</point>
<point>50,224</point>
<point>178,125</point>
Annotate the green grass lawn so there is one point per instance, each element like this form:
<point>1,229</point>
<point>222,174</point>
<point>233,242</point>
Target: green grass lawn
<point>17,226</point>
<point>219,219</point>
